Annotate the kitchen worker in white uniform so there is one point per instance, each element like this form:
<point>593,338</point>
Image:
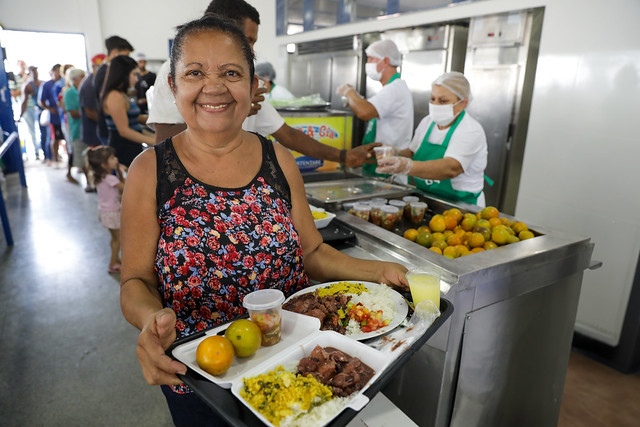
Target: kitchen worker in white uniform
<point>165,119</point>
<point>448,154</point>
<point>267,73</point>
<point>390,111</point>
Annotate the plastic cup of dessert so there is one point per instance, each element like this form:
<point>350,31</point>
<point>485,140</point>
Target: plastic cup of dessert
<point>383,152</point>
<point>362,210</point>
<point>408,200</point>
<point>417,211</point>
<point>265,310</point>
<point>376,212</point>
<point>389,216</point>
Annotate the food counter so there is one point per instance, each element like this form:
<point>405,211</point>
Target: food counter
<point>501,358</point>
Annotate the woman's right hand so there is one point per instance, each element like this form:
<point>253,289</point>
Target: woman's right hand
<point>156,336</point>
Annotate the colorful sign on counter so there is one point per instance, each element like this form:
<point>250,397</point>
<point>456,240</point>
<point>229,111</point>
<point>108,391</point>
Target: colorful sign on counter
<point>334,131</point>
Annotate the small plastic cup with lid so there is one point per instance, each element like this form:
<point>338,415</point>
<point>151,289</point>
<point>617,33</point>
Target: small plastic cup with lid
<point>265,310</point>
<point>383,152</point>
<point>417,211</point>
<point>400,204</point>
<point>389,216</point>
<point>376,212</point>
<point>407,209</point>
<point>362,210</point>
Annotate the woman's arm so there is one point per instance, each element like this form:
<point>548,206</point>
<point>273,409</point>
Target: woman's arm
<point>445,168</point>
<point>116,106</point>
<point>140,300</point>
<point>321,261</point>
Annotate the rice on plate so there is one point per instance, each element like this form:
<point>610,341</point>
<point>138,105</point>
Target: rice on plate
<point>378,298</point>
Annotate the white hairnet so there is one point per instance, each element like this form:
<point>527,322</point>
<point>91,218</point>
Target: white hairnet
<point>265,69</point>
<point>457,83</point>
<point>385,49</point>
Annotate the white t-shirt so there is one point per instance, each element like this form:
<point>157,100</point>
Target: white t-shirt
<point>163,110</point>
<point>395,114</point>
<point>468,145</point>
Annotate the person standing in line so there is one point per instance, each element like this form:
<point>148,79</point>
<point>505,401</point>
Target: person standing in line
<point>122,115</point>
<point>145,80</point>
<point>103,162</point>
<point>60,88</point>
<point>89,114</point>
<point>116,46</point>
<point>72,108</point>
<point>31,113</point>
<point>48,100</point>
<point>390,111</point>
<point>166,120</point>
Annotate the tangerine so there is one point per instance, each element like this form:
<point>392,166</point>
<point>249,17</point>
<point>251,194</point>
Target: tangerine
<point>476,240</point>
<point>489,212</point>
<point>437,223</point>
<point>454,212</point>
<point>519,226</point>
<point>468,222</point>
<point>489,245</point>
<point>424,228</point>
<point>454,240</point>
<point>436,250</point>
<point>424,239</point>
<point>441,244</point>
<point>411,234</point>
<point>462,250</point>
<point>450,221</point>
<point>484,223</point>
<point>500,235</point>
<point>215,354</point>
<point>526,234</point>
<point>245,337</point>
<point>495,221</point>
<point>476,250</point>
<point>450,252</point>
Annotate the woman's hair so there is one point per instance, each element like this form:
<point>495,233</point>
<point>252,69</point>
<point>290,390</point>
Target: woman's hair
<point>97,158</point>
<point>210,23</point>
<point>117,77</point>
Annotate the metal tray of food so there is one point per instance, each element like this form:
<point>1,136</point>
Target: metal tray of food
<point>340,191</point>
<point>226,404</point>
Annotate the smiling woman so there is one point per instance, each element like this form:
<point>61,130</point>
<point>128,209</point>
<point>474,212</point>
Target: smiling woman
<point>226,214</point>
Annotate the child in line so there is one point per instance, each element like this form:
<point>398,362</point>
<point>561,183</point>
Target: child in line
<point>103,162</point>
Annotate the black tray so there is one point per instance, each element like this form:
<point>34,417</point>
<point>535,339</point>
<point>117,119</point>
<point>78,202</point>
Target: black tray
<point>237,414</point>
<point>336,232</point>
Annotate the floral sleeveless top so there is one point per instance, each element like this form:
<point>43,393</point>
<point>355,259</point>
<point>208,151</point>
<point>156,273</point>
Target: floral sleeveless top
<point>218,244</point>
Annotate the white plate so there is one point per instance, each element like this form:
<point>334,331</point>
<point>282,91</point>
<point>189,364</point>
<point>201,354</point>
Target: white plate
<point>398,302</point>
<point>322,222</point>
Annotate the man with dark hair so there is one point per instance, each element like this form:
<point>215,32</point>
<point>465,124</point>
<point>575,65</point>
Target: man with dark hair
<point>115,46</point>
<point>166,120</point>
<point>48,100</point>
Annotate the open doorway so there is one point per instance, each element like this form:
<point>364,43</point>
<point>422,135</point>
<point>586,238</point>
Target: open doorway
<point>42,50</point>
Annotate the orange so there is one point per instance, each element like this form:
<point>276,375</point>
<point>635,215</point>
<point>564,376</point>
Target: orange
<point>468,222</point>
<point>424,228</point>
<point>477,240</point>
<point>245,337</point>
<point>519,226</point>
<point>486,233</point>
<point>454,240</point>
<point>441,244</point>
<point>484,223</point>
<point>526,234</point>
<point>476,250</point>
<point>436,250</point>
<point>512,239</point>
<point>437,223</point>
<point>454,212</point>
<point>462,250</point>
<point>424,239</point>
<point>489,245</point>
<point>215,354</point>
<point>438,236</point>
<point>495,221</point>
<point>506,221</point>
<point>447,234</point>
<point>450,252</point>
<point>489,212</point>
<point>450,221</point>
<point>411,234</point>
<point>500,235</point>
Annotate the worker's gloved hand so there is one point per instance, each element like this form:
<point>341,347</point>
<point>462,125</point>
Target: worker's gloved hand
<point>343,89</point>
<point>395,165</point>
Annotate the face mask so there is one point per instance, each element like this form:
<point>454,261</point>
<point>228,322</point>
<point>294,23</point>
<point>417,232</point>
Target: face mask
<point>371,69</point>
<point>442,114</point>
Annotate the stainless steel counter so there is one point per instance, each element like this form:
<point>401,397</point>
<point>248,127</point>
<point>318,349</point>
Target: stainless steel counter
<point>501,359</point>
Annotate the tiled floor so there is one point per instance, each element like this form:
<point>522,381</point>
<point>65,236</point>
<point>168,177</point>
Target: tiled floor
<point>67,356</point>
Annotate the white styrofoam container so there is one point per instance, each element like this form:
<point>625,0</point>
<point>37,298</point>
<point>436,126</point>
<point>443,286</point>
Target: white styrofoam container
<point>322,222</point>
<point>373,358</point>
<point>295,327</point>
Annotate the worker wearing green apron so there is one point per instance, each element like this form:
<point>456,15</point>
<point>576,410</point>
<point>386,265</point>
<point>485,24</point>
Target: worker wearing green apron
<point>390,111</point>
<point>448,154</point>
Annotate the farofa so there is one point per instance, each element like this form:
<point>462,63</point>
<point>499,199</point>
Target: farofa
<point>342,288</point>
<point>279,394</point>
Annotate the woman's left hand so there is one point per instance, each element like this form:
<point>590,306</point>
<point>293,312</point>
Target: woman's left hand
<point>392,273</point>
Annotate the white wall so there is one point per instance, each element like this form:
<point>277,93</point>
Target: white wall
<point>579,172</point>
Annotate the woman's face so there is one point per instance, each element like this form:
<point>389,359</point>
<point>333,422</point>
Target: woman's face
<point>212,87</point>
<point>440,95</point>
<point>133,77</point>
